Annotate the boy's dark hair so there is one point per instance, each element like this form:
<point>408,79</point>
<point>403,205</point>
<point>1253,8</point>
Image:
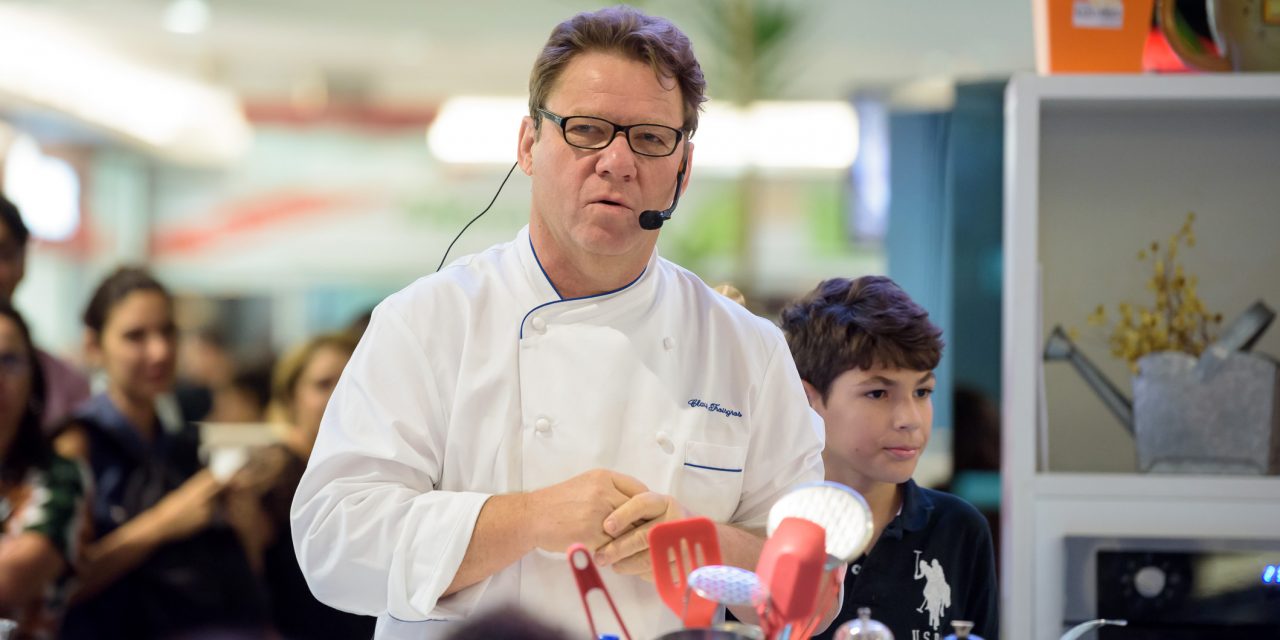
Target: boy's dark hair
<point>12,219</point>
<point>862,323</point>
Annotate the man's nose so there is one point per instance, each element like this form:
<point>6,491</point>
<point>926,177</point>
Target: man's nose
<point>617,159</point>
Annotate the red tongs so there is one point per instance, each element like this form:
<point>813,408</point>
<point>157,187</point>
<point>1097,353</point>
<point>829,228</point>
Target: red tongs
<point>584,572</point>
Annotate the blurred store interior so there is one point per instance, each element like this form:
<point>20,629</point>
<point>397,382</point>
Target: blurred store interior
<point>283,165</point>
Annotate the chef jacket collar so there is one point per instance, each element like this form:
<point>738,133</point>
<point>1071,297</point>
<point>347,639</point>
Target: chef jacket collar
<point>546,290</point>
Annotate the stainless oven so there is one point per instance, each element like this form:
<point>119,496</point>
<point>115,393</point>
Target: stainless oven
<point>1175,589</point>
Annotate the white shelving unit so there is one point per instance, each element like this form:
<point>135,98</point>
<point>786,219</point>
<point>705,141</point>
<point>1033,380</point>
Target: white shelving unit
<point>1093,165</point>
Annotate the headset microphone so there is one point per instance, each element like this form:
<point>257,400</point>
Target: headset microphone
<point>486,210</point>
<point>651,220</point>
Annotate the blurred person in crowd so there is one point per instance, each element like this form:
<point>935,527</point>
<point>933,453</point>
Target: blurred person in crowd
<point>300,387</point>
<point>65,385</point>
<point>42,495</point>
<point>359,323</point>
<point>568,386</point>
<point>164,563</point>
<point>975,454</point>
<point>246,397</point>
<point>507,623</point>
<point>731,292</point>
<point>205,367</point>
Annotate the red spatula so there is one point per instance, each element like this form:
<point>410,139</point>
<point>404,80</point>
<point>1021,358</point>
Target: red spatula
<point>676,548</point>
<point>791,566</point>
<point>584,572</point>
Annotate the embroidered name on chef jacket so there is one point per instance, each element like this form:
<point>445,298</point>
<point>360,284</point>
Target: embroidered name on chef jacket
<point>714,407</point>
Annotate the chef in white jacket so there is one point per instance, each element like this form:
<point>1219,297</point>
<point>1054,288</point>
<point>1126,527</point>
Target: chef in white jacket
<point>567,386</point>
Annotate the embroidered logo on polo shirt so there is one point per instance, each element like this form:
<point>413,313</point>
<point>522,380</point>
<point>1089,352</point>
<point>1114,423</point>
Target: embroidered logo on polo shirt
<point>714,407</point>
<point>937,593</point>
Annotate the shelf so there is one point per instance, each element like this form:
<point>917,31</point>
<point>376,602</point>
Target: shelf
<point>1131,486</point>
<point>1116,90</point>
<point>1095,168</point>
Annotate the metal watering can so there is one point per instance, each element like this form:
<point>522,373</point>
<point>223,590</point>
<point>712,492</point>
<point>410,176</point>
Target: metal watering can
<point>1212,414</point>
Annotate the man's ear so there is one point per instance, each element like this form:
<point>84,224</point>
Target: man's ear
<point>687,164</point>
<point>524,149</point>
<point>814,396</point>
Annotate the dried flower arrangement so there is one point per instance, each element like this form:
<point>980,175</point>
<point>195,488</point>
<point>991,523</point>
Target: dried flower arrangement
<point>1178,321</point>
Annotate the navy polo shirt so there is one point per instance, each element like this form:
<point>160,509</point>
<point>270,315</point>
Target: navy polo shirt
<point>934,563</point>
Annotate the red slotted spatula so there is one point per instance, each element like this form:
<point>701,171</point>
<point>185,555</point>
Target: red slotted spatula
<point>676,548</point>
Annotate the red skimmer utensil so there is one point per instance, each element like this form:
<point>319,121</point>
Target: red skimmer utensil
<point>791,566</point>
<point>846,518</point>
<point>585,574</point>
<point>839,510</point>
<point>676,548</point>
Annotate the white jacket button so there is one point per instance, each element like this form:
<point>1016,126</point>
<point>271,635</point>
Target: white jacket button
<point>542,426</point>
<point>665,442</point>
<point>539,325</point>
<point>668,343</point>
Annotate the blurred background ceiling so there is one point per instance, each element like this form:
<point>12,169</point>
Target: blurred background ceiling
<point>408,53</point>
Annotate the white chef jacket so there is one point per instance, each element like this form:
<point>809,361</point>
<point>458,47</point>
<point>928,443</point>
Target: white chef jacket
<point>482,380</point>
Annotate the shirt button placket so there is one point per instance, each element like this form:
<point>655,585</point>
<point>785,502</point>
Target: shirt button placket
<point>542,426</point>
<point>664,441</point>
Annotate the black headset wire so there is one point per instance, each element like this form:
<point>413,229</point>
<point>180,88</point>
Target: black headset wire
<point>486,210</point>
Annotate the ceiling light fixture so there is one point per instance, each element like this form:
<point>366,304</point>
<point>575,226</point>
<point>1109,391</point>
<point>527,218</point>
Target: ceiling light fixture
<point>46,64</point>
<point>187,17</point>
<point>45,189</point>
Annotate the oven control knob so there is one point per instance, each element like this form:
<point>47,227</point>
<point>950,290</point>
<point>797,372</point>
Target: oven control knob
<point>1149,581</point>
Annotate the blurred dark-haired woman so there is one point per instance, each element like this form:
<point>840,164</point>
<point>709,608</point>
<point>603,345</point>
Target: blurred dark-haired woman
<point>302,382</point>
<point>165,564</point>
<point>42,496</point>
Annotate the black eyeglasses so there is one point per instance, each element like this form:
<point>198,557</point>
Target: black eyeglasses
<point>586,132</point>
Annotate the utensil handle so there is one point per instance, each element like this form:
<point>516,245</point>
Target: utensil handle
<point>836,576</point>
<point>585,574</point>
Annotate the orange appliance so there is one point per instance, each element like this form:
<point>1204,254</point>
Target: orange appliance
<point>1091,36</point>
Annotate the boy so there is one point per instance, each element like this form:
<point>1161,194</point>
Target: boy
<point>866,353</point>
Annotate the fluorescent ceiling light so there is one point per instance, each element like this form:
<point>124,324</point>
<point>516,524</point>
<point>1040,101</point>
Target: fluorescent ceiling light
<point>771,135</point>
<point>476,130</point>
<point>186,16</point>
<point>778,135</point>
<point>46,190</point>
<point>46,64</point>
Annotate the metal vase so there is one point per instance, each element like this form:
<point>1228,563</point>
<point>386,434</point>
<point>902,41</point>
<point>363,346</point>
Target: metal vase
<point>1212,415</point>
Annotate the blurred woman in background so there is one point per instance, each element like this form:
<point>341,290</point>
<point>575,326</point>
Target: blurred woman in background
<point>301,385</point>
<point>42,495</point>
<point>164,563</point>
